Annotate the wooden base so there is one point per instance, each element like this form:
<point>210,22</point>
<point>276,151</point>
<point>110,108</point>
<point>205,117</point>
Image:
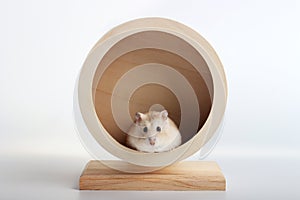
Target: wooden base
<point>188,175</point>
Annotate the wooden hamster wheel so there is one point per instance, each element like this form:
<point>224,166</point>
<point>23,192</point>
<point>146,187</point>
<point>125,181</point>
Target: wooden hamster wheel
<point>145,63</point>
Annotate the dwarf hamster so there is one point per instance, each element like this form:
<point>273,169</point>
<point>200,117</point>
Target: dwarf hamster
<point>153,132</point>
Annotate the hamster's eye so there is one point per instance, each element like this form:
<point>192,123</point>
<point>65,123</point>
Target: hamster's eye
<point>145,129</point>
<point>158,129</point>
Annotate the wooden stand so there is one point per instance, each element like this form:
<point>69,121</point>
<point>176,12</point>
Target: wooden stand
<point>188,175</point>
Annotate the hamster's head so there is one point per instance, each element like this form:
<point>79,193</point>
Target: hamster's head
<point>151,123</point>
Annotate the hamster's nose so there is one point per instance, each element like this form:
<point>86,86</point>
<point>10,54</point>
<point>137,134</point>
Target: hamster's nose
<point>152,141</point>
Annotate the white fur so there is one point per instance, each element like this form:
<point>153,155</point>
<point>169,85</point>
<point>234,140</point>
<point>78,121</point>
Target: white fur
<point>166,140</point>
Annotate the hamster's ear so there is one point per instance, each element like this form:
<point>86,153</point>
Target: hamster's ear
<point>138,117</point>
<point>164,114</point>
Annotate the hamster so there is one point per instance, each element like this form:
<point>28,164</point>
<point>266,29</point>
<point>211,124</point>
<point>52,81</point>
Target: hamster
<point>153,132</point>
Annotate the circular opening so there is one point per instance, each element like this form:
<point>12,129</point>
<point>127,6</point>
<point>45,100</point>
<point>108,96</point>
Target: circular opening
<point>152,68</point>
<point>144,64</point>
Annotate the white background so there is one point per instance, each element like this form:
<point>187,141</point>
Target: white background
<point>44,43</point>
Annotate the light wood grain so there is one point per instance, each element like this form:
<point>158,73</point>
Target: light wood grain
<point>131,46</point>
<point>140,103</point>
<point>188,175</point>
